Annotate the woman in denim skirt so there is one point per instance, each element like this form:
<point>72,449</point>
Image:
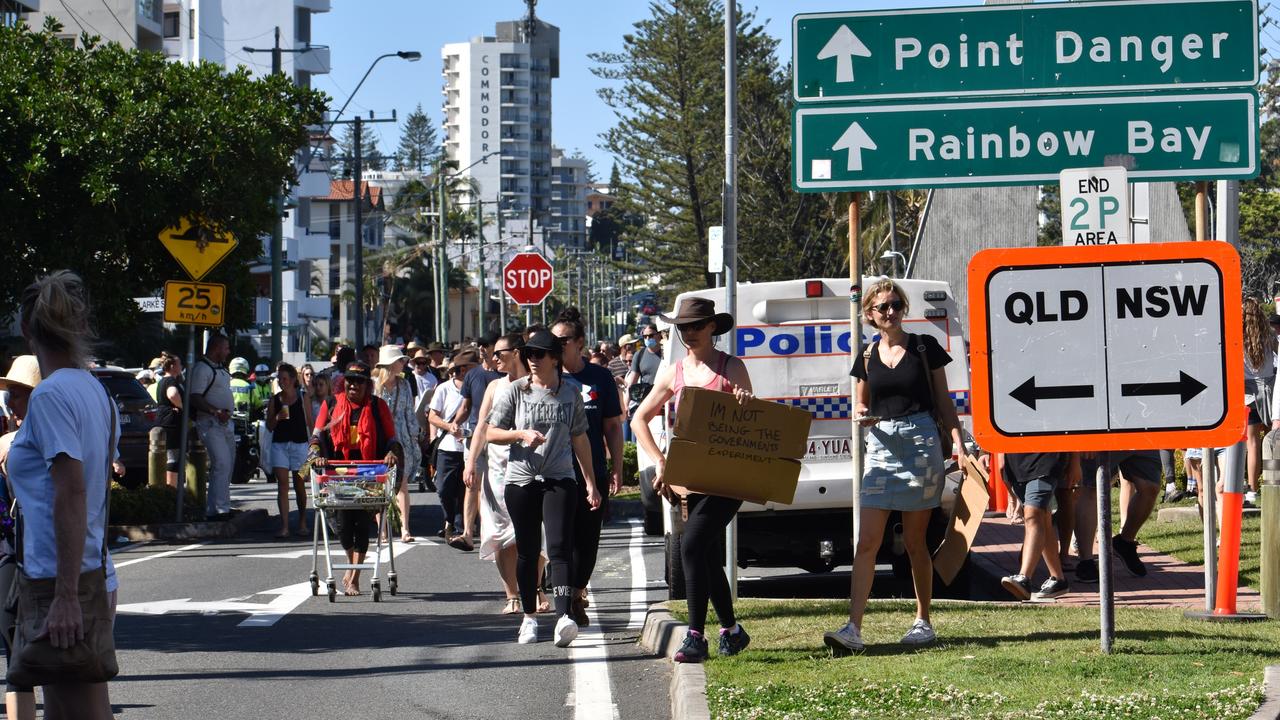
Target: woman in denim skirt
<point>903,460</point>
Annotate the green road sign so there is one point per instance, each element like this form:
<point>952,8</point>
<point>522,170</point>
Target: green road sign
<point>1117,46</point>
<point>1024,141</point>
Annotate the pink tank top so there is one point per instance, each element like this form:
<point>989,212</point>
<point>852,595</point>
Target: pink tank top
<point>718,382</point>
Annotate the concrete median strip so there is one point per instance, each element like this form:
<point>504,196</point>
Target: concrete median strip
<point>662,636</point>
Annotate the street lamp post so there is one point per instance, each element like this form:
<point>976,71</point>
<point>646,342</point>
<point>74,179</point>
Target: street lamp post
<point>442,274</point>
<point>411,56</point>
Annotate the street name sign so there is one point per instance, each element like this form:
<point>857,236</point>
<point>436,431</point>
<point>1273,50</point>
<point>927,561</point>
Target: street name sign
<point>528,278</point>
<point>1113,347</point>
<point>195,303</point>
<point>1095,206</point>
<point>197,245</point>
<point>1128,45</point>
<point>1024,141</point>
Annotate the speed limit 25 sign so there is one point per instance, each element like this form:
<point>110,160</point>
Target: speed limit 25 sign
<point>1095,206</point>
<point>194,303</point>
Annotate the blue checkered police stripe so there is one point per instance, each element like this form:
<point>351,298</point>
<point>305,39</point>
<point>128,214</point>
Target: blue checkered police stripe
<point>837,407</point>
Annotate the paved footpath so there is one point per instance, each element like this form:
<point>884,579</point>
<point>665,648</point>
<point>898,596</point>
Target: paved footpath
<point>229,629</point>
<point>1169,582</point>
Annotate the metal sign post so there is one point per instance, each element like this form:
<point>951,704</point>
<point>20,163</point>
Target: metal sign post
<point>1106,593</point>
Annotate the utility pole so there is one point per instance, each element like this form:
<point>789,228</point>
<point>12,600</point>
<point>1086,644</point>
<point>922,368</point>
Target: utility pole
<point>730,205</point>
<point>484,300</point>
<point>502,289</point>
<point>357,176</point>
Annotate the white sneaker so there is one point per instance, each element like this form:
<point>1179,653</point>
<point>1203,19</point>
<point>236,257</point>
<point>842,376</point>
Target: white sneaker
<point>528,632</point>
<point>921,633</point>
<point>845,640</point>
<point>1250,499</point>
<point>566,631</point>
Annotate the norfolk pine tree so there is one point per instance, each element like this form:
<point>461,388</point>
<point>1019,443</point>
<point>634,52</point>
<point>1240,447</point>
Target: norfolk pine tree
<point>418,146</point>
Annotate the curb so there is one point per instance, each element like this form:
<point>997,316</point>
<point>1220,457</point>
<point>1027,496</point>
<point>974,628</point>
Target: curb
<point>662,635</point>
<point>193,530</point>
<point>1270,709</point>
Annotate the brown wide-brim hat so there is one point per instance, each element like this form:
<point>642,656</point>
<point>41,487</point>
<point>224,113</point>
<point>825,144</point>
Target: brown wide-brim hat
<point>466,357</point>
<point>695,309</point>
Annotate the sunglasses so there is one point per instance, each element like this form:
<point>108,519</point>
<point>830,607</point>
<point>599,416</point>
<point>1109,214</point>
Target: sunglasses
<point>895,305</point>
<point>535,353</point>
<point>421,361</point>
<point>498,353</point>
<point>356,381</point>
<point>649,335</point>
<point>694,327</point>
<point>564,340</point>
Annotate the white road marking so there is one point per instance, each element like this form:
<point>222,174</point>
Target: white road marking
<point>167,553</point>
<point>592,696</point>
<point>260,614</point>
<point>401,549</point>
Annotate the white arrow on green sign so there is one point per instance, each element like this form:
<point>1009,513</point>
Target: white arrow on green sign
<point>1024,141</point>
<point>1119,45</point>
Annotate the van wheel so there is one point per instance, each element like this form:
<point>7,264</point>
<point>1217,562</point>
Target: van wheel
<point>674,569</point>
<point>653,523</point>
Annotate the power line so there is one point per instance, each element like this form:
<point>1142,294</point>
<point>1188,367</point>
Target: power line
<point>76,18</point>
<point>225,51</point>
<point>112,13</point>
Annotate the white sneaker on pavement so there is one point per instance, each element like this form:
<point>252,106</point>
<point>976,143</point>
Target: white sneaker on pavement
<point>528,632</point>
<point>845,640</point>
<point>566,631</point>
<point>921,633</point>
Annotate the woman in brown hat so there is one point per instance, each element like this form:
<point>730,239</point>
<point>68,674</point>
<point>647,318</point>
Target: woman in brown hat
<point>703,366</point>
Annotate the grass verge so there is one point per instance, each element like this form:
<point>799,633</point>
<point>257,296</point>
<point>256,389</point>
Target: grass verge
<point>992,661</point>
<point>1185,541</point>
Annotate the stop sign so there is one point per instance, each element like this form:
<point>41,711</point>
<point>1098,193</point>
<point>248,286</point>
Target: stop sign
<point>528,278</point>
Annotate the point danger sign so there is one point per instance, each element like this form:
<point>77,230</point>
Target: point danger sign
<point>1119,347</point>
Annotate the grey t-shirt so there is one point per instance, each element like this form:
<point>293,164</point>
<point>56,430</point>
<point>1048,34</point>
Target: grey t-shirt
<point>558,415</point>
<point>646,363</point>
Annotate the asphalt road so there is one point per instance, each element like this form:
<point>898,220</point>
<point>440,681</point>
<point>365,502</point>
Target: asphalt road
<point>229,629</point>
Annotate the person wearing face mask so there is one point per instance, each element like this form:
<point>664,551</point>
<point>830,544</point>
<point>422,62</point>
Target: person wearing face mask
<point>644,368</point>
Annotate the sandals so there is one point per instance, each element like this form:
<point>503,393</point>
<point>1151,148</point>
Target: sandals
<point>461,542</point>
<point>282,535</point>
<point>544,605</point>
<point>408,538</point>
<point>511,607</point>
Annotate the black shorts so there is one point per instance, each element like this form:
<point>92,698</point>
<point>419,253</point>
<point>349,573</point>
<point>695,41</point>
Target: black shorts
<point>1133,465</point>
<point>1034,477</point>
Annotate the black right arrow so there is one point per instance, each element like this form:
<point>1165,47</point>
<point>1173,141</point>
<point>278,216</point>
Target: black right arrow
<point>1185,386</point>
<point>1028,393</point>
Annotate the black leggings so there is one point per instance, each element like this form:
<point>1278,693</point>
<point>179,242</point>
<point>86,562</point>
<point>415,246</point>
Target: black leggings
<point>552,502</point>
<point>353,529</point>
<point>586,534</point>
<point>704,575</point>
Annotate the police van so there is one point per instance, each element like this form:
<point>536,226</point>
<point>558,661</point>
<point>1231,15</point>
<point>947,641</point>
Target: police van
<point>794,339</point>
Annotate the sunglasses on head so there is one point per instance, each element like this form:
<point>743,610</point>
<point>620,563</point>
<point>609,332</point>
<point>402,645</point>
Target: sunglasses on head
<point>896,305</point>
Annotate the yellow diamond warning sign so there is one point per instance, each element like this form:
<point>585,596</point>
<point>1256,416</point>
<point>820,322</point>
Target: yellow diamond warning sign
<point>194,303</point>
<point>197,246</point>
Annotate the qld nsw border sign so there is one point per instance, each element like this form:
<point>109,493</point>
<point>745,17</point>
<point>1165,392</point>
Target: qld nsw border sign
<point>1119,347</point>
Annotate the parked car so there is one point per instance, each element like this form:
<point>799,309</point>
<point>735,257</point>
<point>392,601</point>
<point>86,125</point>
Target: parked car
<point>137,417</point>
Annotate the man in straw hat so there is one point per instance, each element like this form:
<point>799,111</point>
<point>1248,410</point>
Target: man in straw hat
<point>449,461</point>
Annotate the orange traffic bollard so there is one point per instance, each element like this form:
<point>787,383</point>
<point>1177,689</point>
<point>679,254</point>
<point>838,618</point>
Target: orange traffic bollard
<point>1229,553</point>
<point>999,493</point>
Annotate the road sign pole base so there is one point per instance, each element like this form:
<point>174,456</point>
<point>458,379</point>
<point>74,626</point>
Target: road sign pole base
<point>1222,617</point>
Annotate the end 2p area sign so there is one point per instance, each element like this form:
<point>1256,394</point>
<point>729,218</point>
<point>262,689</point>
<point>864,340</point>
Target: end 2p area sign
<point>1121,347</point>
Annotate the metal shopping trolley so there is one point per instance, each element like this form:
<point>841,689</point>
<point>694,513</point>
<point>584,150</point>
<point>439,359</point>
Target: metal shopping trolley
<point>352,485</point>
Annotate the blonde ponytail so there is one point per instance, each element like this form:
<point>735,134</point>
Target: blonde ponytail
<point>55,314</point>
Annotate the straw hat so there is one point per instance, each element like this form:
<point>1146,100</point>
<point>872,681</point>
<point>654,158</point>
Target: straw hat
<point>388,355</point>
<point>25,372</point>
<point>626,340</point>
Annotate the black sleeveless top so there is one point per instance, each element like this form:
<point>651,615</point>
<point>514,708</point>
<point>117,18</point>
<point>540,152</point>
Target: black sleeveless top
<point>294,429</point>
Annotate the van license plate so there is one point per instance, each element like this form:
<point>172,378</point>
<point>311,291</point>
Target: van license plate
<point>828,449</point>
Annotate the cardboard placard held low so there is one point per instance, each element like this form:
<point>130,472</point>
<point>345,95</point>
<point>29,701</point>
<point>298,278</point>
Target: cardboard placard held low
<point>749,452</point>
<point>971,504</point>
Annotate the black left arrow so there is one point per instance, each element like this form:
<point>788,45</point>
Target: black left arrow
<point>1028,392</point>
<point>1186,387</point>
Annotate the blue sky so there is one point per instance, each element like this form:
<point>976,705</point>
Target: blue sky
<point>357,31</point>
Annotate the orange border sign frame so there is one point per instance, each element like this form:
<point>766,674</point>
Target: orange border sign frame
<point>987,262</point>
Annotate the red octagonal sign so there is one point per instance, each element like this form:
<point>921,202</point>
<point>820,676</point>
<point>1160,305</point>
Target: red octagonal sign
<point>528,278</point>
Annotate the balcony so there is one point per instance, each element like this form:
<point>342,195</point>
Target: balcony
<point>315,60</point>
<point>513,118</point>
<point>512,64</point>
<point>313,307</point>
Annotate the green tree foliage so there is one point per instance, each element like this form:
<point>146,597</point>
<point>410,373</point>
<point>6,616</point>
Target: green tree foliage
<point>105,147</point>
<point>669,102</point>
<point>418,145</point>
<point>371,158</point>
<point>1050,207</point>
